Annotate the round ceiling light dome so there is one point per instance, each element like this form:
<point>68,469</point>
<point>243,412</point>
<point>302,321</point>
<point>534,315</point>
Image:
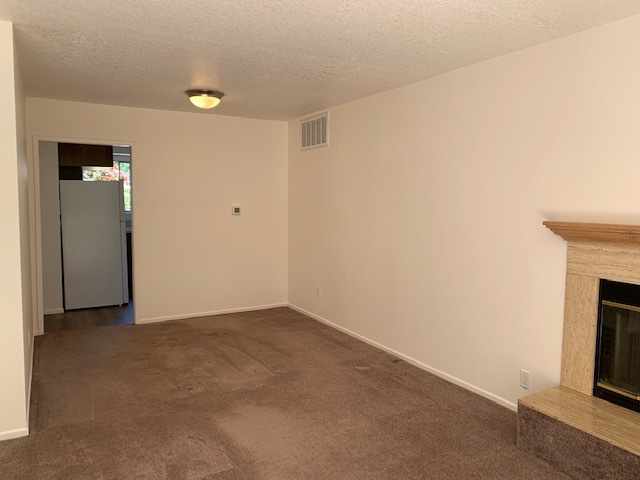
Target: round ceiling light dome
<point>204,98</point>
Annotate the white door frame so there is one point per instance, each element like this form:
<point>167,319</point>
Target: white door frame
<point>35,220</point>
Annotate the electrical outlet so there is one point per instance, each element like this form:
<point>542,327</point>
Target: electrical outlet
<point>525,379</point>
<point>318,291</point>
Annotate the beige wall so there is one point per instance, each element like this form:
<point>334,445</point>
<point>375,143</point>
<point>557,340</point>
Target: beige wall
<point>191,256</point>
<point>25,237</point>
<point>15,321</point>
<point>50,228</point>
<point>422,220</point>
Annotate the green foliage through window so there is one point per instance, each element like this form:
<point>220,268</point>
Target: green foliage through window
<point>119,171</point>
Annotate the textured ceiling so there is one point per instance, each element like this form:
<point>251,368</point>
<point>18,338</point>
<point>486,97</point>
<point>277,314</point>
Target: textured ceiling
<point>276,60</point>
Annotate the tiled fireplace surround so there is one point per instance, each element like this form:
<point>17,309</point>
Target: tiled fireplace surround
<point>583,435</point>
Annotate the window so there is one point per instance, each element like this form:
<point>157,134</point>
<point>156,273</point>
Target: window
<point>119,171</point>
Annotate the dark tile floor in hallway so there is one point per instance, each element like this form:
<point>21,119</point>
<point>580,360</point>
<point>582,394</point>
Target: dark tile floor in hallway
<point>89,318</point>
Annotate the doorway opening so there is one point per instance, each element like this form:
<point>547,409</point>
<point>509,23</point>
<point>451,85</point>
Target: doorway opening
<point>85,235</point>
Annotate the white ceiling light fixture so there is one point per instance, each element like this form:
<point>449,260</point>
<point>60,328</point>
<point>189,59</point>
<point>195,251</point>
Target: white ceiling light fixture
<point>204,98</point>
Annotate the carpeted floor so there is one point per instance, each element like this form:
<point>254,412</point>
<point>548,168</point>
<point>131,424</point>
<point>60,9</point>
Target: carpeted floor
<point>260,395</point>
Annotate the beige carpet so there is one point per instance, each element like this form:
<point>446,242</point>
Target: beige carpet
<point>260,395</point>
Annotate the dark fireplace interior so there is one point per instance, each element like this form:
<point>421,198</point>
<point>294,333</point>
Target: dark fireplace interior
<point>617,375</point>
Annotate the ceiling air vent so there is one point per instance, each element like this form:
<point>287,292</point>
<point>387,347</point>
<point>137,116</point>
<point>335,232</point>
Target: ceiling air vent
<point>315,131</point>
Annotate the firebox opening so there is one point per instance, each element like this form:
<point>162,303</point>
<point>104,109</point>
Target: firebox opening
<point>617,372</point>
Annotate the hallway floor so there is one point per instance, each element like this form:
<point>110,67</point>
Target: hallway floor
<point>89,318</point>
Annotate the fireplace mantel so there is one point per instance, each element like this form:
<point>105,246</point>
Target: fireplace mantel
<point>596,232</point>
<point>595,252</point>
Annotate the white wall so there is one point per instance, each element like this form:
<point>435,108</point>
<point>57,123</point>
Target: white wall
<point>50,228</point>
<point>191,256</point>
<point>25,233</point>
<point>422,222</point>
<point>15,320</point>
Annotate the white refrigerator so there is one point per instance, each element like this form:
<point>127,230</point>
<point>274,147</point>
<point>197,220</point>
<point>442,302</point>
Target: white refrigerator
<point>94,247</point>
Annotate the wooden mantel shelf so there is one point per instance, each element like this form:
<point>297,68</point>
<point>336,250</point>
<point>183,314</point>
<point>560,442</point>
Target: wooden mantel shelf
<point>596,232</point>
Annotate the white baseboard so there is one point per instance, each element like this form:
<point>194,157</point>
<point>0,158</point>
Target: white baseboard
<point>29,385</point>
<point>208,314</point>
<point>22,432</point>
<point>52,311</point>
<point>11,434</point>
<point>483,393</point>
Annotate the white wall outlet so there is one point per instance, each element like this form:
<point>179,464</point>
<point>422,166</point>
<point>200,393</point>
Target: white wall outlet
<point>318,291</point>
<point>525,378</point>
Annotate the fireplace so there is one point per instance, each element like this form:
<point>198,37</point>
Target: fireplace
<point>568,425</point>
<point>595,252</point>
<point>617,362</point>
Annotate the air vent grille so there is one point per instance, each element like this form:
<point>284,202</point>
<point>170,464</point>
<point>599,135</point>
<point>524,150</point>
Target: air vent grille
<point>315,131</point>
